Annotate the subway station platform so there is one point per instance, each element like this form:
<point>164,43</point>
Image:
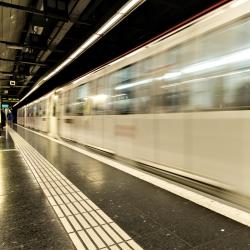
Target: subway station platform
<point>56,195</point>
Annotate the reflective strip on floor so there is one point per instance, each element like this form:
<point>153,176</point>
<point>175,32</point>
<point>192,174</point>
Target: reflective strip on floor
<point>86,224</point>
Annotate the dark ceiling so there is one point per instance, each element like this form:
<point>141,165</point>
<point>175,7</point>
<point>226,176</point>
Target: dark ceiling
<point>59,37</point>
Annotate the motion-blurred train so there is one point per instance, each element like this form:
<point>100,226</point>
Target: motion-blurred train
<point>179,104</point>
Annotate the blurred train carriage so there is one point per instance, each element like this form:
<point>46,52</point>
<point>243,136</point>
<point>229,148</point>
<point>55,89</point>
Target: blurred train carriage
<point>180,103</point>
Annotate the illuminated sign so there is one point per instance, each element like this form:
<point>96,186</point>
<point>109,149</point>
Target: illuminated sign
<point>5,106</point>
<point>10,99</point>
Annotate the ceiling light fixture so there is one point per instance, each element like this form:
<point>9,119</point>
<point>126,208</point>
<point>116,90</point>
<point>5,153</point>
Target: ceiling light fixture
<point>111,23</point>
<point>18,47</point>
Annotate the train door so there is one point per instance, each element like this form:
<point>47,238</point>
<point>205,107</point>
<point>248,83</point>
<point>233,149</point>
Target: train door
<point>53,115</point>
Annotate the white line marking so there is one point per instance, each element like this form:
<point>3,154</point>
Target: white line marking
<point>47,193</point>
<point>90,220</point>
<point>120,231</point>
<point>114,248</point>
<point>65,210</point>
<point>134,245</point>
<point>58,211</point>
<point>65,204</point>
<point>65,191</point>
<point>70,197</point>
<point>92,204</point>
<point>72,208</point>
<point>52,183</point>
<point>82,221</point>
<point>58,200</point>
<point>75,223</point>
<point>112,233</point>
<point>66,225</point>
<point>52,191</point>
<point>51,201</point>
<point>95,238</point>
<point>97,217</point>
<point>104,236</point>
<point>104,216</point>
<point>71,190</point>
<point>83,195</point>
<point>124,246</point>
<point>58,190</point>
<point>58,183</point>
<point>79,207</point>
<point>87,241</point>
<point>65,199</point>
<point>77,196</point>
<point>86,206</point>
<point>78,244</point>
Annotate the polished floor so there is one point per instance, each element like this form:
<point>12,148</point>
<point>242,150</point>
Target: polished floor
<point>154,218</point>
<point>27,220</point>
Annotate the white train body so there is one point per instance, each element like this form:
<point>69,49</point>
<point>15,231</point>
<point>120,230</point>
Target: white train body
<point>180,104</point>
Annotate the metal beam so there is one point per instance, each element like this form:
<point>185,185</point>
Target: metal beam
<point>24,62</point>
<point>30,46</point>
<point>58,34</point>
<point>6,73</point>
<point>12,87</point>
<point>39,12</point>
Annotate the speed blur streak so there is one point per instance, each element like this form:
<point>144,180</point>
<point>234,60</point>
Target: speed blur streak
<point>180,104</point>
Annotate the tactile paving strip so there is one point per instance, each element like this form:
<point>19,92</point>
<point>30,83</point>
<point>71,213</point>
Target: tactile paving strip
<point>87,225</point>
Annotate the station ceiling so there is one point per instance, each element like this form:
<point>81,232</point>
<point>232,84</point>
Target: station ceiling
<point>38,35</point>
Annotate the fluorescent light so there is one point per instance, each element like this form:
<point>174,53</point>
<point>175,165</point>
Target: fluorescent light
<point>130,5</point>
<point>133,84</point>
<point>85,45</point>
<point>90,41</point>
<point>15,47</point>
<point>49,75</point>
<point>62,65</point>
<point>57,69</point>
<point>119,16</point>
<point>76,53</point>
<point>109,24</point>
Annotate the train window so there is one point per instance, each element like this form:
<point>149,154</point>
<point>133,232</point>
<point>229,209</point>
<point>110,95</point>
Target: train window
<point>81,100</point>
<point>236,90</point>
<point>123,99</point>
<point>187,54</point>
<point>226,40</point>
<point>68,101</point>
<point>206,94</point>
<point>145,67</point>
<point>101,97</point>
<point>35,110</point>
<point>168,94</point>
<point>123,102</point>
<point>90,109</point>
<point>43,104</point>
<point>39,109</point>
<point>143,100</point>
